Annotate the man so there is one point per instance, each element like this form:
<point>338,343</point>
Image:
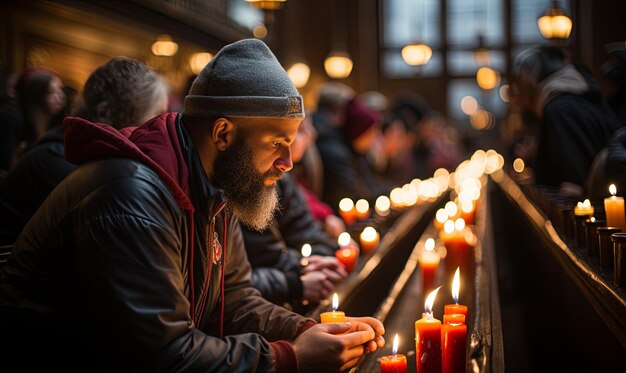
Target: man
<point>135,262</point>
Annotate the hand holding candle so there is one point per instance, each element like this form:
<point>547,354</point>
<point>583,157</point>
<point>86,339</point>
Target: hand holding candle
<point>334,315</point>
<point>428,338</point>
<point>395,363</point>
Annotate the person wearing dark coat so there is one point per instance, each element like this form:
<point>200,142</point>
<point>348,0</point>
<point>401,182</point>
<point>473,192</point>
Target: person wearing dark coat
<point>135,262</point>
<point>575,122</point>
<point>275,253</point>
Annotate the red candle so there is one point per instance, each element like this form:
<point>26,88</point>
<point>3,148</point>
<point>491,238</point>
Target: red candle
<point>453,348</point>
<point>454,318</point>
<point>460,252</point>
<point>347,211</point>
<point>428,338</point>
<point>449,309</point>
<point>348,253</point>
<point>395,363</point>
<point>429,262</point>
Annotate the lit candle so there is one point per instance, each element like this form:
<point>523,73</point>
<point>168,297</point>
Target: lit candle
<point>346,211</point>
<point>451,209</point>
<point>395,363</point>
<point>306,253</point>
<point>429,262</point>
<point>453,336</point>
<point>440,218</point>
<point>458,240</point>
<point>468,209</point>
<point>362,208</point>
<point>614,208</point>
<point>454,318</point>
<point>334,315</point>
<point>456,308</point>
<point>369,240</point>
<point>583,208</point>
<point>397,198</point>
<point>347,253</point>
<point>382,206</point>
<point>428,338</point>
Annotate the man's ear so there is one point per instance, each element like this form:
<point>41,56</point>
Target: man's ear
<point>223,133</point>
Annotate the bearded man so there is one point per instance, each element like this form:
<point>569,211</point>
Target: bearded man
<point>135,262</point>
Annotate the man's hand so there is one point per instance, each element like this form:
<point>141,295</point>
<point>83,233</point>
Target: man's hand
<point>335,347</point>
<point>329,265</point>
<point>316,286</point>
<point>369,323</point>
<point>334,226</point>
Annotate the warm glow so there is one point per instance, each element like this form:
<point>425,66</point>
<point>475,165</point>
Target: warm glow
<point>555,26</point>
<point>430,300</point>
<point>448,227</point>
<point>505,92</point>
<point>267,4</point>
<point>441,216</point>
<point>344,239</point>
<point>518,165</point>
<point>198,61</point>
<point>416,54</point>
<point>306,250</point>
<point>394,349</point>
<point>469,105</point>
<point>346,204</point>
<point>335,302</point>
<point>259,31</point>
<point>362,206</point>
<point>459,224</point>
<point>410,194</point>
<point>585,204</point>
<point>481,119</point>
<point>338,65</point>
<point>164,46</point>
<point>467,206</point>
<point>456,285</point>
<point>612,189</point>
<point>487,78</point>
<point>451,208</point>
<point>299,74</point>
<point>429,245</point>
<point>397,197</point>
<point>368,234</point>
<point>382,205</point>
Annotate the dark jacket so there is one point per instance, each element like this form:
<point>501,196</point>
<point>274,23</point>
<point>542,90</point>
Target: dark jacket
<point>275,252</point>
<point>346,174</point>
<point>119,265</point>
<point>25,188</point>
<point>574,128</point>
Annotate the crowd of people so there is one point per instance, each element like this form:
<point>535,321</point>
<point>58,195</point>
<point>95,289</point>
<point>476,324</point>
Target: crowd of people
<point>144,239</point>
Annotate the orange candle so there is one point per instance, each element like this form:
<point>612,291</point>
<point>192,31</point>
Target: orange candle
<point>429,262</point>
<point>614,208</point>
<point>428,338</point>
<point>369,240</point>
<point>348,253</point>
<point>456,308</point>
<point>460,252</point>
<point>583,208</point>
<point>440,218</point>
<point>382,206</point>
<point>362,208</point>
<point>334,315</point>
<point>347,211</point>
<point>454,318</point>
<point>468,212</point>
<point>395,363</point>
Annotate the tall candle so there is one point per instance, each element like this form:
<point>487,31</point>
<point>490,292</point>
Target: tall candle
<point>460,252</point>
<point>614,208</point>
<point>362,208</point>
<point>369,240</point>
<point>395,363</point>
<point>306,253</point>
<point>428,338</point>
<point>429,262</point>
<point>456,287</point>
<point>454,337</point>
<point>347,211</point>
<point>334,315</point>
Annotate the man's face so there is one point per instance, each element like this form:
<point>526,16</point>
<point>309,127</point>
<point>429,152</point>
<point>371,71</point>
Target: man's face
<point>249,168</point>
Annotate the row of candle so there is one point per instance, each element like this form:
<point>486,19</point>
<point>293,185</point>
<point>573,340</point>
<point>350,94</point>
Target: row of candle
<point>439,347</point>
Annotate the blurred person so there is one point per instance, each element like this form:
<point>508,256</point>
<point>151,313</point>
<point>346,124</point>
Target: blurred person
<point>136,260</point>
<point>575,123</point>
<point>122,93</point>
<point>10,119</point>
<point>613,82</point>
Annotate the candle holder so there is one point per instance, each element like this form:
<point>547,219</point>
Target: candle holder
<point>606,246</point>
<point>580,231</point>
<point>591,226</point>
<point>619,260</point>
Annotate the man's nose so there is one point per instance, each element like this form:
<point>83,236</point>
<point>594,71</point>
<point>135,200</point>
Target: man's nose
<point>284,163</point>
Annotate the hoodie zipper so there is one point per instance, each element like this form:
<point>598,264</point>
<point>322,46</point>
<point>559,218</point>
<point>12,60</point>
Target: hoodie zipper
<point>202,302</point>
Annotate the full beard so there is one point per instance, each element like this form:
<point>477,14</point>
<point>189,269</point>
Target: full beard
<point>252,201</point>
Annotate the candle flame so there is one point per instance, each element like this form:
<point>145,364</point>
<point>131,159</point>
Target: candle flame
<point>451,208</point>
<point>362,206</point>
<point>456,285</point>
<point>612,189</point>
<point>429,245</point>
<point>382,204</point>
<point>394,350</point>
<point>368,234</point>
<point>448,227</point>
<point>430,300</point>
<point>335,302</point>
<point>586,203</point>
<point>441,216</point>
<point>344,239</point>
<point>459,224</point>
<point>346,204</point>
<point>306,250</point>
<point>592,219</point>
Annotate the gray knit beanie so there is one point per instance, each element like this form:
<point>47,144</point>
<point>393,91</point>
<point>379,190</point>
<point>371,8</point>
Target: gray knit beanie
<point>244,79</point>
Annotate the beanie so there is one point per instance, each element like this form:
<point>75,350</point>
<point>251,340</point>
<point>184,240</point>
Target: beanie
<point>244,79</point>
<point>359,118</point>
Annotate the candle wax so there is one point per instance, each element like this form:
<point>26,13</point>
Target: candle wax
<point>454,318</point>
<point>348,255</point>
<point>453,348</point>
<point>349,217</point>
<point>455,308</point>
<point>369,246</point>
<point>332,316</point>
<point>614,208</point>
<point>429,262</point>
<point>393,364</point>
<point>428,345</point>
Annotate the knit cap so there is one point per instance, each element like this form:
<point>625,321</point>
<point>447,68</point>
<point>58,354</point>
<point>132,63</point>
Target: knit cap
<point>359,118</point>
<point>244,79</point>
